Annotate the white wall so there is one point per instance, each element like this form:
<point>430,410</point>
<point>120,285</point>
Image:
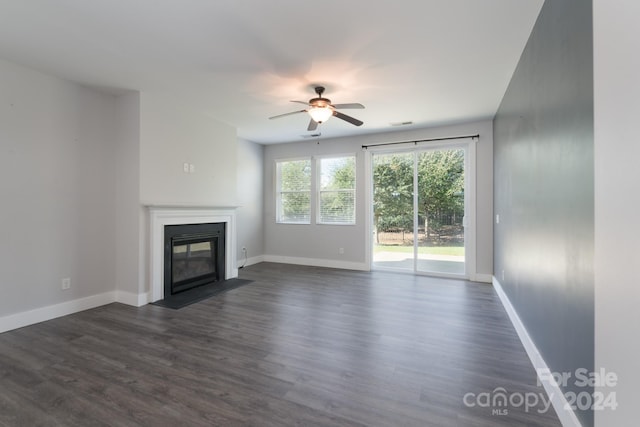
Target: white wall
<point>250,214</point>
<point>129,262</point>
<point>56,189</point>
<point>77,167</point>
<point>320,243</point>
<point>171,135</point>
<point>484,198</point>
<point>314,244</point>
<point>617,202</point>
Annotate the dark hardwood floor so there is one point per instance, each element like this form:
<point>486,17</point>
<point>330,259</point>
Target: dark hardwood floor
<point>299,346</point>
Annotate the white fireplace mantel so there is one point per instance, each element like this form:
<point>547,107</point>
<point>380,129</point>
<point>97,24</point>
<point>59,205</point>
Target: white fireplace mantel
<point>159,216</point>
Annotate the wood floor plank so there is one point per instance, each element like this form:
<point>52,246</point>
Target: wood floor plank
<point>300,346</point>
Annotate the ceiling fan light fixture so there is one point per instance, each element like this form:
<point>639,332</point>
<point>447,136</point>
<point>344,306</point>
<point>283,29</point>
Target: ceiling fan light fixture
<point>321,109</point>
<point>320,114</point>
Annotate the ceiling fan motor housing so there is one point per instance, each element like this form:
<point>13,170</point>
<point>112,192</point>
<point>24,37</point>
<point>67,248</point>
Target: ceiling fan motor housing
<point>320,102</point>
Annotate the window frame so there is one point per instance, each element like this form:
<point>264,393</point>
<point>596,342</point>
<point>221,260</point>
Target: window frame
<point>319,191</point>
<point>279,192</point>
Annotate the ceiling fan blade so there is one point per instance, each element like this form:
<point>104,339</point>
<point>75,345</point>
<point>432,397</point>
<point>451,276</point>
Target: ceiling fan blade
<point>313,125</point>
<point>352,105</point>
<point>300,102</point>
<point>287,114</point>
<point>347,118</point>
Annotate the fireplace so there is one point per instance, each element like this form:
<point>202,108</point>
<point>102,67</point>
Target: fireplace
<point>161,216</point>
<point>194,256</point>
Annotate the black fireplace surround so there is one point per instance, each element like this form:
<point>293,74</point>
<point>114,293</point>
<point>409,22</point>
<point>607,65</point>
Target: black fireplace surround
<point>194,255</point>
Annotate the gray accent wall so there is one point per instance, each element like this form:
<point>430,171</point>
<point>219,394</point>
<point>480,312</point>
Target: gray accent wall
<point>544,189</point>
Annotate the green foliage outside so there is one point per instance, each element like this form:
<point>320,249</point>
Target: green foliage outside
<point>337,190</point>
<point>440,192</point>
<point>393,192</point>
<point>441,189</point>
<point>295,191</point>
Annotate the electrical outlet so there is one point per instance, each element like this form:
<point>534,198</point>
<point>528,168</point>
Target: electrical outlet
<point>192,168</point>
<point>497,218</point>
<point>185,167</point>
<point>65,283</point>
<point>341,251</point>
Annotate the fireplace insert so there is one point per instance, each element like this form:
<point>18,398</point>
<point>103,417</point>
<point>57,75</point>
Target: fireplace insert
<point>193,256</point>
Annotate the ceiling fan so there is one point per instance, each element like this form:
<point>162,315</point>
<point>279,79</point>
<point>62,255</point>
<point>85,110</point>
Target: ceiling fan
<point>321,109</point>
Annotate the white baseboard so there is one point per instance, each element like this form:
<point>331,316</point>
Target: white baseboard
<point>129,298</point>
<point>250,261</point>
<point>567,416</point>
<point>330,263</point>
<point>26,318</point>
<point>344,265</point>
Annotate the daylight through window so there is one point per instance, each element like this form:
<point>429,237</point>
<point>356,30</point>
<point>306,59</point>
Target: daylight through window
<point>337,190</point>
<point>293,188</point>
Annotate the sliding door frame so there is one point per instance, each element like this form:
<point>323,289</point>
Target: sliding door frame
<point>470,231</point>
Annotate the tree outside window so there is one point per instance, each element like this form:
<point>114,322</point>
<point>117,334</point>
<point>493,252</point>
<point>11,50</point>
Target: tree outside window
<point>293,186</point>
<point>337,190</point>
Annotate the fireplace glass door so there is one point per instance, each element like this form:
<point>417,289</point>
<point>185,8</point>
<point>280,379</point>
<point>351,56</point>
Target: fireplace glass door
<point>194,256</point>
<point>192,259</point>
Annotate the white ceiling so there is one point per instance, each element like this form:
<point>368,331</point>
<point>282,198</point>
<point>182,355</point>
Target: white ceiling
<point>430,62</point>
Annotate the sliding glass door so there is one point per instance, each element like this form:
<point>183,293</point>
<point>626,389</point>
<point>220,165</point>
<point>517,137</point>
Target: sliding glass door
<point>440,211</point>
<point>393,216</point>
<point>419,210</point>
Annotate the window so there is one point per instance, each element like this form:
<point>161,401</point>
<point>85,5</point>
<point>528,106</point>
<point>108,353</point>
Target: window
<point>337,190</point>
<point>293,187</point>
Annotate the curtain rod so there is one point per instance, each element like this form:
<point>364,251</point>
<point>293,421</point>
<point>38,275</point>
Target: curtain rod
<point>448,138</point>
